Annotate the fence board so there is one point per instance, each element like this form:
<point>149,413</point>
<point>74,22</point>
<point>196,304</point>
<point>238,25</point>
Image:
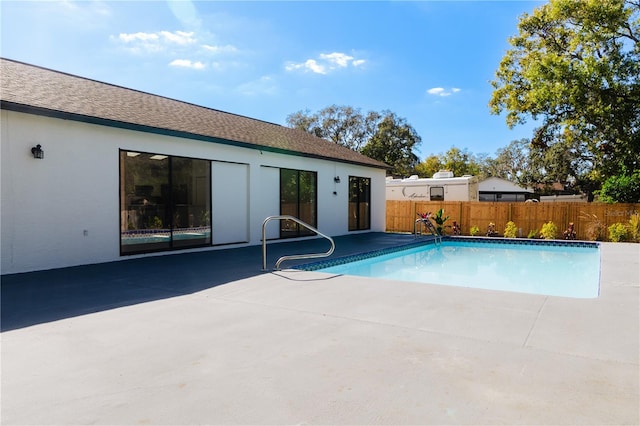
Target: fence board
<point>401,215</point>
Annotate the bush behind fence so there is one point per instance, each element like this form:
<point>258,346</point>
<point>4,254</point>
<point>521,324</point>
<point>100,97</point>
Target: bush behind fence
<point>401,215</point>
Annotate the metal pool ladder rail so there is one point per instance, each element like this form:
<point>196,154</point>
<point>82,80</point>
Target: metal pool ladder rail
<point>292,256</point>
<point>427,223</point>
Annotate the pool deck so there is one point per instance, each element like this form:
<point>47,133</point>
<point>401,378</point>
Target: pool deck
<point>209,338</point>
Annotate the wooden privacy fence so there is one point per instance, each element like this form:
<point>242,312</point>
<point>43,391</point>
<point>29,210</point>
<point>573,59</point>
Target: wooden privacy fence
<point>401,215</point>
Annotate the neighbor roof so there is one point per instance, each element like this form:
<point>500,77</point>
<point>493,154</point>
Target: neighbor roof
<point>36,90</point>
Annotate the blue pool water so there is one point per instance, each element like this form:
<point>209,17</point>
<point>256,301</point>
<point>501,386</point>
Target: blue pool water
<point>555,270</point>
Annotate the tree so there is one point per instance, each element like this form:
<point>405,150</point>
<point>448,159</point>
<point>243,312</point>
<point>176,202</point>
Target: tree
<point>460,162</point>
<point>382,135</point>
<point>393,143</point>
<point>343,125</point>
<point>431,165</point>
<point>623,189</point>
<point>575,65</point>
<point>511,162</point>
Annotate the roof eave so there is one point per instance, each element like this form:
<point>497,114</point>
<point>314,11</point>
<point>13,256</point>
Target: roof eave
<point>46,112</point>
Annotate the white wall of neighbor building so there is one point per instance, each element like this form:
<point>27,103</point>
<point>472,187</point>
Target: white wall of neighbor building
<point>496,184</point>
<point>63,210</point>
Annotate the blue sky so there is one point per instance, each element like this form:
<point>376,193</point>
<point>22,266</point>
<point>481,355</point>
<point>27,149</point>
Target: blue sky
<point>429,62</point>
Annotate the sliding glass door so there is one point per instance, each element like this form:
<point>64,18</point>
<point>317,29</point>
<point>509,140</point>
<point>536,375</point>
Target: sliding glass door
<point>298,198</point>
<point>165,202</point>
<point>359,203</point>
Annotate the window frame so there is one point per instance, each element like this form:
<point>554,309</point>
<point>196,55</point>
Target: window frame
<point>436,197</point>
<point>359,226</point>
<point>171,209</point>
<point>288,224</point>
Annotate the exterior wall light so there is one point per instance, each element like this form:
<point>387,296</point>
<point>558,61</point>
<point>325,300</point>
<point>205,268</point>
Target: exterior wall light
<point>37,152</point>
<point>336,179</point>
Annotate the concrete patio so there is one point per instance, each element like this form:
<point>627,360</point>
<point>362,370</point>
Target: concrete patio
<point>209,338</point>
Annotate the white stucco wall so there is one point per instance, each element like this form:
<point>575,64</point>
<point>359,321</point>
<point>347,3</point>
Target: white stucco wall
<point>63,210</point>
<point>495,184</point>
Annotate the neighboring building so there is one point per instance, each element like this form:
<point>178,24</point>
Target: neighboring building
<point>498,189</point>
<point>566,198</point>
<point>442,187</point>
<point>558,193</point>
<point>126,173</point>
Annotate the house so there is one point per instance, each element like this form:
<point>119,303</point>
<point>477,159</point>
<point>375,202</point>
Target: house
<point>442,187</point>
<point>93,172</point>
<point>498,189</point>
<point>558,193</point>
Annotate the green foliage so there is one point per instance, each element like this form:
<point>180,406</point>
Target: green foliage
<point>474,231</point>
<point>343,125</point>
<point>618,232</point>
<point>634,227</point>
<point>155,223</point>
<point>511,162</point>
<point>382,135</point>
<point>431,165</point>
<point>621,189</point>
<point>549,231</point>
<point>595,229</point>
<point>533,233</point>
<point>574,67</point>
<point>393,144</point>
<point>511,230</point>
<point>440,219</point>
<point>205,218</point>
<point>460,162</point>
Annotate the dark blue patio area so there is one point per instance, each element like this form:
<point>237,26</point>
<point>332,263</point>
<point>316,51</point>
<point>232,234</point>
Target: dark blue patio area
<point>38,297</point>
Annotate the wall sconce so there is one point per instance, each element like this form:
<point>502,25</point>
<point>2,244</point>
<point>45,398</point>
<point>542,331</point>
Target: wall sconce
<point>336,179</point>
<point>37,152</point>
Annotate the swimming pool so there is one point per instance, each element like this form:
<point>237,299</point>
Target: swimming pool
<point>555,268</point>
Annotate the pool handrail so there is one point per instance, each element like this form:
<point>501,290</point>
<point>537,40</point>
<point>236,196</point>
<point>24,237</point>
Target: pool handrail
<point>425,221</point>
<point>292,256</point>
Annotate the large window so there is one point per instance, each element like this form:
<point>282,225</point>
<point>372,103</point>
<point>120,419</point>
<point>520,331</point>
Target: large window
<point>165,202</point>
<point>359,203</point>
<point>298,198</point>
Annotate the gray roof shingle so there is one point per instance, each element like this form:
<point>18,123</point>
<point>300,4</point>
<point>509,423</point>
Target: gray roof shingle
<point>38,90</point>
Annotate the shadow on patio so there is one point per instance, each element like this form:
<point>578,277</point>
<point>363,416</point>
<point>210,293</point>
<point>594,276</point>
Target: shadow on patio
<point>44,296</point>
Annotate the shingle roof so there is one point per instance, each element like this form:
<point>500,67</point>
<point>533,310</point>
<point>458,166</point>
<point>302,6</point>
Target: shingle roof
<point>38,90</point>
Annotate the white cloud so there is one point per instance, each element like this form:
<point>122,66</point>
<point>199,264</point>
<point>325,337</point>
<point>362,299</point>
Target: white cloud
<point>130,38</point>
<point>187,63</point>
<point>340,59</point>
<point>178,37</point>
<point>314,66</point>
<point>155,42</point>
<point>180,44</point>
<point>325,63</point>
<point>440,91</point>
<point>220,49</point>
